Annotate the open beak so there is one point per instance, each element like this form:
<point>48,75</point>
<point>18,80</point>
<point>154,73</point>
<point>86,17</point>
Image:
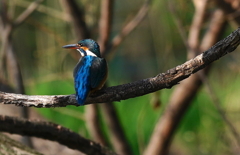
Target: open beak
<point>71,46</point>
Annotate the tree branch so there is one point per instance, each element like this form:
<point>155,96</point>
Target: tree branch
<point>77,16</point>
<point>52,132</point>
<point>105,23</point>
<point>138,88</point>
<point>195,29</point>
<point>31,8</point>
<point>228,9</point>
<point>93,124</point>
<point>92,112</point>
<point>184,93</point>
<point>129,27</point>
<point>178,22</point>
<point>116,132</point>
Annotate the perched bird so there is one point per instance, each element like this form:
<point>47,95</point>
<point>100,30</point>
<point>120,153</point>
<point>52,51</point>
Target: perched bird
<point>91,70</point>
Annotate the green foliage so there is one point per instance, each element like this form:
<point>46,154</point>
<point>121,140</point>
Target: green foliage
<point>153,47</point>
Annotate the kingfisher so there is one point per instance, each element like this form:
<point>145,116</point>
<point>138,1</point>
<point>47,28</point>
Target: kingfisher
<point>91,71</point>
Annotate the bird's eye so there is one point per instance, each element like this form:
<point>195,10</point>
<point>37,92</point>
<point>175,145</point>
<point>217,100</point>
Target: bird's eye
<point>80,44</point>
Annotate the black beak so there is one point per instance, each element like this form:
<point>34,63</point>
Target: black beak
<point>72,46</point>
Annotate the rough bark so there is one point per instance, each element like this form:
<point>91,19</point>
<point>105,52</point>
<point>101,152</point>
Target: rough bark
<point>138,88</point>
<point>52,132</point>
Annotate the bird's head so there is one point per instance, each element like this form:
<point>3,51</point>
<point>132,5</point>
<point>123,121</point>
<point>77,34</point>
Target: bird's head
<point>86,47</point>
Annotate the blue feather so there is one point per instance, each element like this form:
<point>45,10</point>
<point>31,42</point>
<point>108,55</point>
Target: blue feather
<point>82,79</point>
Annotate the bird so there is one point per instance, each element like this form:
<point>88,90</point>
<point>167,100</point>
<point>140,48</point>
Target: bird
<point>91,71</point>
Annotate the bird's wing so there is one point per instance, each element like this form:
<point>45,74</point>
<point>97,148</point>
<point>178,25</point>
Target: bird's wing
<point>98,72</point>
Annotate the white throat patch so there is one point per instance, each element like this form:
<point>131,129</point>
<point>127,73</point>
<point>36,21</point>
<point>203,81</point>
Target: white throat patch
<point>87,53</point>
<point>91,53</point>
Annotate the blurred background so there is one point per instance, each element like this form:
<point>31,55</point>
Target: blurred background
<point>139,39</point>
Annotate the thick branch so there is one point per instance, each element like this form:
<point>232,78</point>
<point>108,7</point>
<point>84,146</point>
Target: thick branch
<point>137,88</point>
<point>52,132</point>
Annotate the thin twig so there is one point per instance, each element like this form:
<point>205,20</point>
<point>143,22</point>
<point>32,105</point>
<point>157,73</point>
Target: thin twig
<point>220,110</point>
<point>129,27</point>
<point>31,8</point>
<point>49,11</point>
<point>178,22</point>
